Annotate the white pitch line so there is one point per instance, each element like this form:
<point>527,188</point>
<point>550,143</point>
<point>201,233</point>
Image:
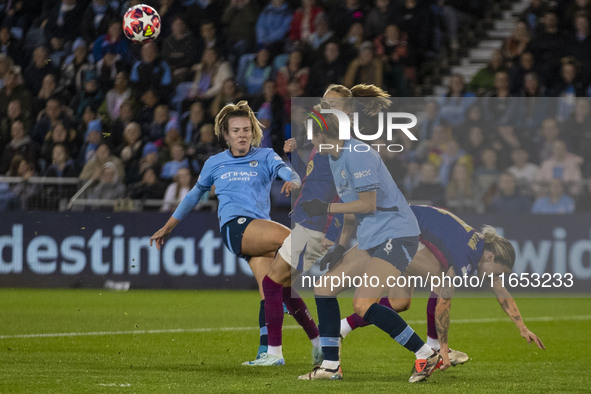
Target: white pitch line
<point>291,327</point>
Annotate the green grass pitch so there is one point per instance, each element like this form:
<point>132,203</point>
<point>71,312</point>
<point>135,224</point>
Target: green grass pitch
<point>217,332</point>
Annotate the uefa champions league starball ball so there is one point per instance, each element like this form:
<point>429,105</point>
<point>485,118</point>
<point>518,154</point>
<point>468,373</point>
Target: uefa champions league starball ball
<point>141,23</point>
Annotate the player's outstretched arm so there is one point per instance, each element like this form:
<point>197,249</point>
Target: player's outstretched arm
<point>509,305</point>
<point>442,320</point>
<point>160,235</point>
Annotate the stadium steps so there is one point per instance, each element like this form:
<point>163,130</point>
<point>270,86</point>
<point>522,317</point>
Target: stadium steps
<point>480,42</point>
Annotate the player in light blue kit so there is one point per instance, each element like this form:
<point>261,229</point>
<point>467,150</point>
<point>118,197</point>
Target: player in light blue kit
<point>242,176</point>
<point>388,236</point>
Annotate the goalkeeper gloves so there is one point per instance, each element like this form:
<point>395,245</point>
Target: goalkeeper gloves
<point>332,257</point>
<point>315,207</point>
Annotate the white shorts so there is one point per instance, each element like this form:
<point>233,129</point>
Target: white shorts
<point>302,248</point>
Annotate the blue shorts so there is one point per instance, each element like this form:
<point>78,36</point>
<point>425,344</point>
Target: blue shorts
<point>396,251</point>
<point>232,233</point>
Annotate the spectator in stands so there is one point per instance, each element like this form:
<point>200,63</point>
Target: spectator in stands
<point>302,24</point>
<point>484,80</point>
<point>126,116</point>
<point>534,109</point>
<point>24,193</point>
<point>486,175</point>
<point>148,188</point>
<point>475,144</point>
<point>177,190</point>
<point>293,70</point>
<point>206,147</point>
<point>270,113</point>
<point>321,35</point>
<point>49,89</point>
<point>9,46</point>
<point>412,177</point>
<point>428,119</point>
<point>62,166</point>
<point>229,93</point>
<point>13,89</point>
<point>579,43</point>
<point>429,188</point>
<point>92,138</point>
<point>6,63</point>
<point>557,202</point>
<point>74,67</point>
<point>209,39</point>
<point>110,186</point>
<point>60,134</point>
<point>91,96</point>
<point>562,165</point>
<point>365,68</point>
<point>149,101</point>
<point>150,157</point>
<point>567,88</point>
<point>53,114</point>
<point>116,96</point>
<point>414,18</point>
<point>351,44</point>
<point>168,10</point>
<point>516,44</point>
<point>452,153</point>
<point>192,121</point>
<point>210,75</point>
<point>524,171</point>
<point>178,50</point>
<point>96,19</point>
<point>19,144</point>
<point>504,141</point>
<point>113,42</point>
<point>543,144</point>
<point>548,47</point>
<point>399,59</point>
<point>157,128</point>
<point>273,25</point>
<point>577,126</point>
<point>93,168</point>
<point>583,203</point>
<point>328,70</point>
<point>508,198</point>
<point>525,65</point>
<point>240,18</point>
<point>377,18</point>
<point>130,151</point>
<point>14,112</point>
<point>576,7</point>
<point>453,106</point>
<point>37,70</point>
<point>178,160</point>
<point>460,192</point>
<point>256,72</point>
<point>63,20</point>
<point>56,52</point>
<point>151,73</point>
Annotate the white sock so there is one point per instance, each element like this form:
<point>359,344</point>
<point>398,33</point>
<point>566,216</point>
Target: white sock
<point>345,328</point>
<point>330,364</point>
<point>316,341</point>
<point>424,352</point>
<point>275,351</point>
<point>433,343</point>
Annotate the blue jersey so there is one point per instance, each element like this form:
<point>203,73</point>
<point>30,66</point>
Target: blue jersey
<point>359,168</point>
<point>316,183</point>
<point>242,184</point>
<point>453,242</point>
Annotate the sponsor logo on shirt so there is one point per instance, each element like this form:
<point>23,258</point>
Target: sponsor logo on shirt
<point>238,175</point>
<point>361,174</point>
<point>310,167</point>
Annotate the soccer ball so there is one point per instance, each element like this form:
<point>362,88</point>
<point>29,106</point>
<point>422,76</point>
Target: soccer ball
<point>141,23</point>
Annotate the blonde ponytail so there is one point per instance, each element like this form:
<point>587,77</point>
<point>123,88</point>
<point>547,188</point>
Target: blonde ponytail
<point>501,247</point>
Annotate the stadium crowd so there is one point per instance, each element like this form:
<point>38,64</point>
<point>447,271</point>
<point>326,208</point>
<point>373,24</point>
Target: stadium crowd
<point>78,99</point>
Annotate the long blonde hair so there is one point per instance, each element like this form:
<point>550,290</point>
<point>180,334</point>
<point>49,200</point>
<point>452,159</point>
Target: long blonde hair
<point>501,247</point>
<point>239,110</point>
